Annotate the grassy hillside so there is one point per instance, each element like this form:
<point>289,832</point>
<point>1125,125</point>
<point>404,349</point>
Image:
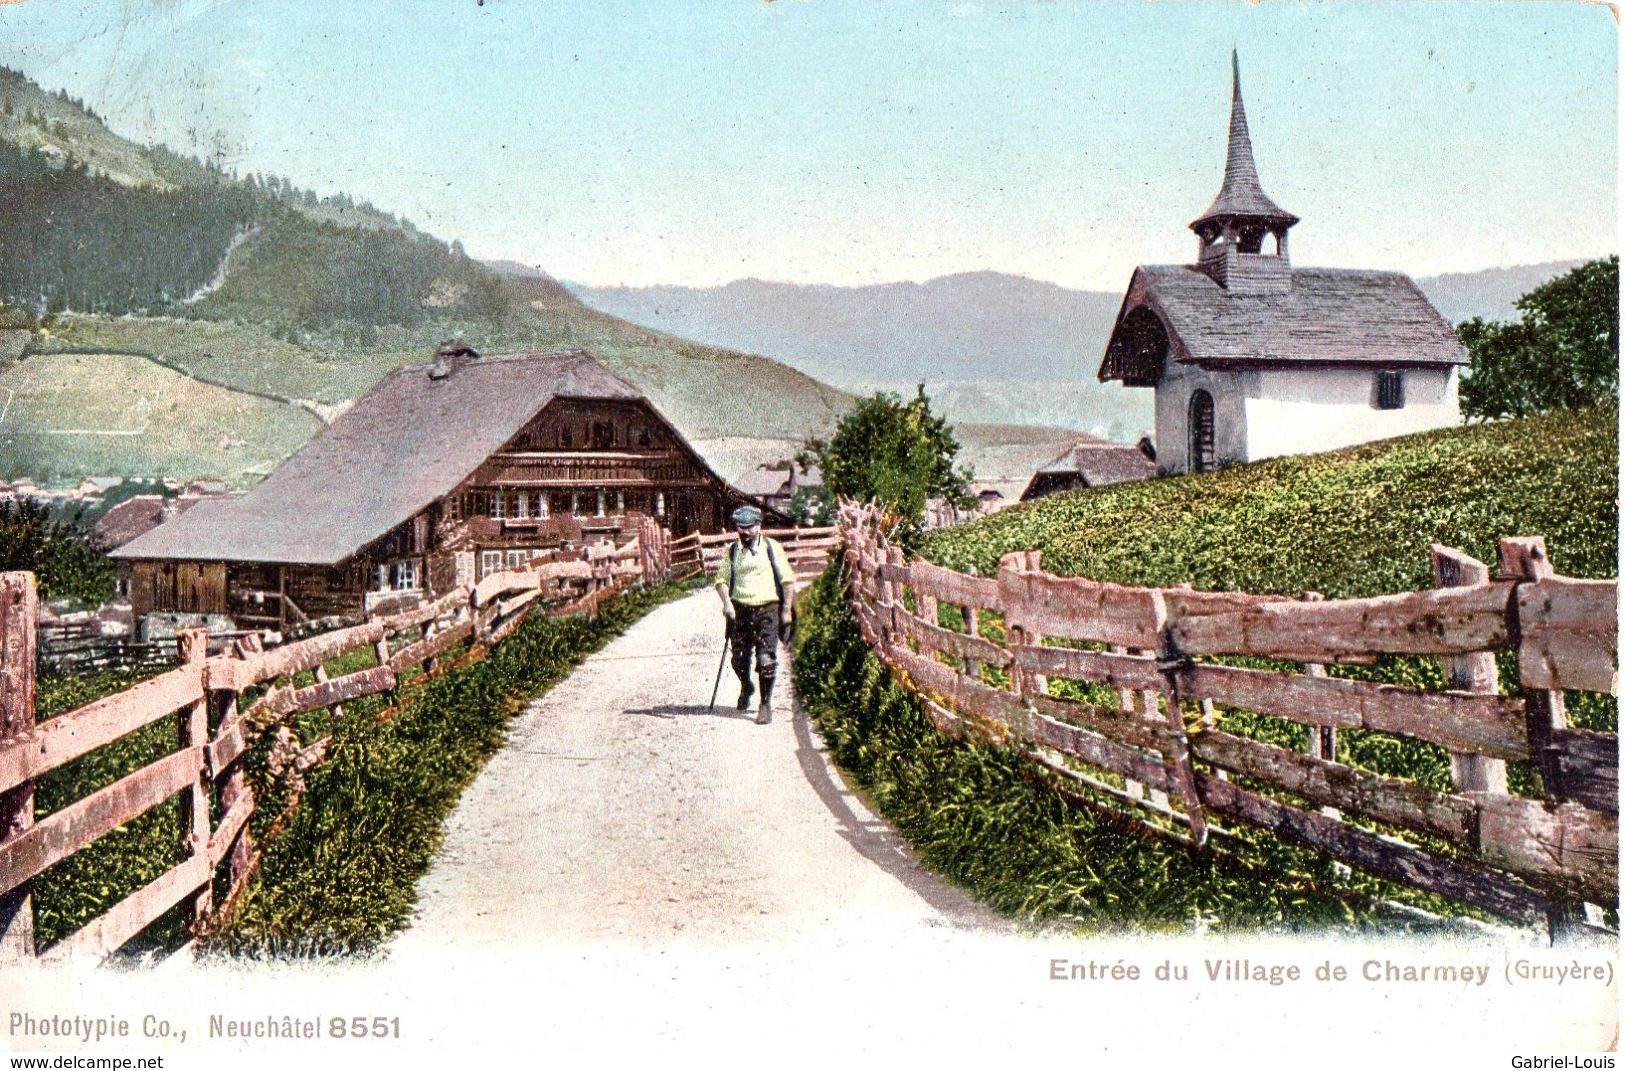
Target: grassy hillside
<point>34,119</point>
<point>65,129</point>
<point>75,415</point>
<point>1350,523</point>
<point>1354,522</point>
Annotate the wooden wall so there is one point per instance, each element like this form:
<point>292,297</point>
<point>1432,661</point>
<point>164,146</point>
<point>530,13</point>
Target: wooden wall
<point>184,587</point>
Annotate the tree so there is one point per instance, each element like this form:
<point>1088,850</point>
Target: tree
<point>898,453</point>
<point>812,507</point>
<point>1562,354</point>
<point>59,554</point>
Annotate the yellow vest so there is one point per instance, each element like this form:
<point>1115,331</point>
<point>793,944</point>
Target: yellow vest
<point>752,577</point>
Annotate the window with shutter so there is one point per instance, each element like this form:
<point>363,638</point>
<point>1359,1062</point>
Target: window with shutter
<point>1390,391</point>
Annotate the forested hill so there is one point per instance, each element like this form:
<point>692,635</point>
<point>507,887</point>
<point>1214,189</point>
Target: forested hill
<point>249,284</point>
<point>72,239</point>
<point>89,223</point>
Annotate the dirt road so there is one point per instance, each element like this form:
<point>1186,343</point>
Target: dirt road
<point>621,809</point>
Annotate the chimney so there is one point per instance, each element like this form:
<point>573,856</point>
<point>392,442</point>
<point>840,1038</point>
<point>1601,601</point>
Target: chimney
<point>449,356</point>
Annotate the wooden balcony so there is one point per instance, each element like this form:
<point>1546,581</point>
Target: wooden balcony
<point>579,468</point>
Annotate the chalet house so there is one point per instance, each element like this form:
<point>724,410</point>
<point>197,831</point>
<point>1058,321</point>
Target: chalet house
<point>1253,358</point>
<point>776,485</point>
<point>1090,463</point>
<point>437,476</point>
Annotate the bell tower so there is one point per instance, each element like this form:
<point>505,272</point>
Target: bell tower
<point>1230,234</point>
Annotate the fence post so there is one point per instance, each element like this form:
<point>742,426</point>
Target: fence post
<point>1322,738</point>
<point>1125,706</point>
<point>19,617</point>
<point>1177,759</point>
<point>1524,558</point>
<point>231,781</point>
<point>193,731</point>
<point>894,589</point>
<point>1021,680</point>
<point>1474,673</point>
<point>973,667</point>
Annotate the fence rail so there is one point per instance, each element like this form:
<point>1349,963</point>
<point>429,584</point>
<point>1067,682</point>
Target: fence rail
<point>222,705</point>
<point>808,550</point>
<point>1148,741</point>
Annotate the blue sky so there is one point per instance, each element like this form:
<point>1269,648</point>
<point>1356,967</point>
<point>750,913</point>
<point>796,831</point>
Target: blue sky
<point>646,141</point>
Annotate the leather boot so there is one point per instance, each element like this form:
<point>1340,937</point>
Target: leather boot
<point>764,713</point>
<point>745,692</point>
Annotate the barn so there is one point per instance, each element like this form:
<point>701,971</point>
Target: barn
<point>438,475</point>
<point>1251,357</point>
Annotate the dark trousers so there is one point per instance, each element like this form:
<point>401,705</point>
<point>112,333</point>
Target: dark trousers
<point>755,628</point>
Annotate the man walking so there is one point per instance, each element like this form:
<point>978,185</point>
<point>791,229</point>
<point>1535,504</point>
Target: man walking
<point>754,583</point>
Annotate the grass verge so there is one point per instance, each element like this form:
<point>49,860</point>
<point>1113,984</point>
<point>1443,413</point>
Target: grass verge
<point>990,820</point>
<point>339,878</point>
<point>93,879</point>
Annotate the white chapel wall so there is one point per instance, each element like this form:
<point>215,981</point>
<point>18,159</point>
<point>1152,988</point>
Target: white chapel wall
<point>1180,381</point>
<point>1305,411</point>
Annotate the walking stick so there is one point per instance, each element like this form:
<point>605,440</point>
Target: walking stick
<point>723,662</point>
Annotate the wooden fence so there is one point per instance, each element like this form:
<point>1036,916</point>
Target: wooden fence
<point>808,550</point>
<point>222,705</point>
<point>1152,747</point>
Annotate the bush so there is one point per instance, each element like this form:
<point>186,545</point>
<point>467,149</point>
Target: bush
<point>1562,354</point>
<point>894,452</point>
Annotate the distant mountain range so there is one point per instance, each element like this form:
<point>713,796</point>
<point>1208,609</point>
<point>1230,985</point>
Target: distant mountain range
<point>981,325</point>
<point>990,347</point>
<point>1488,294</point>
<point>976,327</point>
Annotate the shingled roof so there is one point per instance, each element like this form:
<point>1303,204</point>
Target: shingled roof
<point>1325,316</point>
<point>1096,464</point>
<point>136,516</point>
<point>1241,196</point>
<point>406,442</point>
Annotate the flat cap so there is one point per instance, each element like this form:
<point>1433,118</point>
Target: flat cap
<point>747,517</point>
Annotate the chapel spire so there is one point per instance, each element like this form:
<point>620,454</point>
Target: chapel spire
<point>1242,213</point>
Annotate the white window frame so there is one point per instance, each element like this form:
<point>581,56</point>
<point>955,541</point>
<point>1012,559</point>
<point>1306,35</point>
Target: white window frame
<point>517,558</point>
<point>499,502</point>
<point>404,575</point>
<point>490,562</point>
